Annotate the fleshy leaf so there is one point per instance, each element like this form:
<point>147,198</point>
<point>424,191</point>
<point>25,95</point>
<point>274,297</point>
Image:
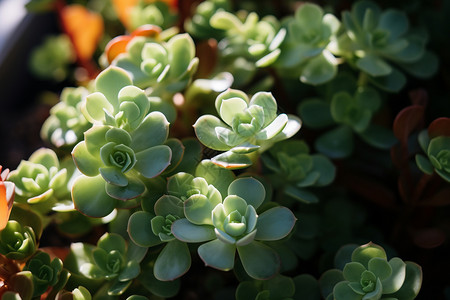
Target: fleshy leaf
<point>412,284</point>
<point>205,132</point>
<point>140,229</point>
<point>365,253</point>
<point>153,161</point>
<point>259,261</point>
<point>231,160</point>
<point>197,209</point>
<point>133,189</point>
<point>380,267</point>
<point>343,291</point>
<point>90,198</point>
<point>84,161</point>
<point>275,224</point>
<point>218,254</point>
<point>110,82</point>
<point>153,131</point>
<point>249,189</point>
<point>395,281</point>
<point>173,261</point>
<point>187,232</point>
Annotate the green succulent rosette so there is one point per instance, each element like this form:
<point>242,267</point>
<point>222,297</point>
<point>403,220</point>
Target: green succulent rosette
<point>199,25</point>
<point>17,242</point>
<point>165,67</point>
<point>370,275</point>
<point>115,163</point>
<point>41,181</point>
<point>355,110</point>
<point>66,124</point>
<point>51,60</point>
<point>437,157</point>
<point>46,273</point>
<point>304,52</point>
<point>234,225</point>
<point>379,42</point>
<point>174,260</point>
<point>257,40</point>
<point>246,126</point>
<point>115,261</point>
<point>295,169</point>
<point>156,13</point>
<point>116,102</point>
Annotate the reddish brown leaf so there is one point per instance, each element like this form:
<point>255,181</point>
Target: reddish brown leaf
<point>439,127</point>
<point>408,120</point>
<point>116,46</point>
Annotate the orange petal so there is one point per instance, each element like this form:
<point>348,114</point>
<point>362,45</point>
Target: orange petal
<point>84,27</point>
<point>122,8</point>
<point>116,46</point>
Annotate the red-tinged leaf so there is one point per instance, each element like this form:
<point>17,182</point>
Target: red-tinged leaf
<point>116,46</point>
<point>408,120</point>
<point>85,29</point>
<point>148,30</point>
<point>6,202</point>
<point>429,238</point>
<point>122,8</point>
<point>419,97</point>
<point>439,127</point>
<point>441,198</point>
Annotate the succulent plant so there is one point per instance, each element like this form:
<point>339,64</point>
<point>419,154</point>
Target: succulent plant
<point>175,259</point>
<point>377,42</point>
<point>437,150</point>
<point>6,197</point>
<point>304,52</point>
<point>355,111</point>
<point>116,101</point>
<point>65,125</point>
<point>166,67</point>
<point>41,181</point>
<point>51,60</point>
<point>46,272</point>
<point>369,275</point>
<point>116,162</point>
<point>17,242</point>
<point>295,169</point>
<point>116,261</point>
<point>199,25</point>
<point>156,13</point>
<point>256,40</point>
<point>246,126</point>
<point>234,225</point>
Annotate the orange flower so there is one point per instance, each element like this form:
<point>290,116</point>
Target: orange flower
<point>6,198</point>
